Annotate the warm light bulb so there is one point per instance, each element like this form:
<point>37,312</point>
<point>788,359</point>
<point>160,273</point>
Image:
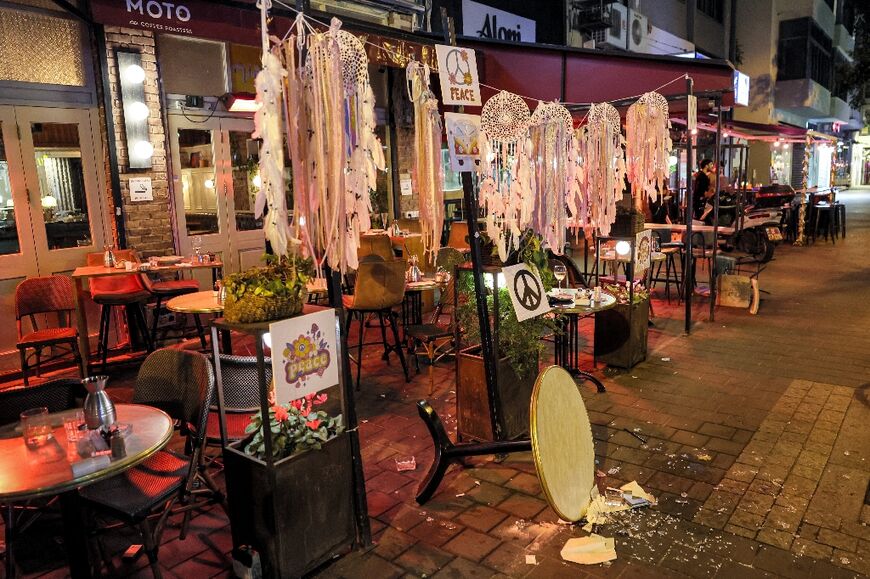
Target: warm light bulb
<point>776,143</point>
<point>257,181</point>
<point>209,183</point>
<point>134,74</point>
<point>673,160</point>
<point>137,111</point>
<point>49,202</point>
<point>143,150</point>
<point>694,131</point>
<point>623,247</point>
<point>785,145</point>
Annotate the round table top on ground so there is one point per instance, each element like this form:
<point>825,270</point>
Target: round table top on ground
<point>45,471</point>
<point>607,302</point>
<point>204,302</point>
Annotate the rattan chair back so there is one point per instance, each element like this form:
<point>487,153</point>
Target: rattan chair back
<point>179,382</point>
<point>56,395</point>
<point>39,295</point>
<point>241,387</point>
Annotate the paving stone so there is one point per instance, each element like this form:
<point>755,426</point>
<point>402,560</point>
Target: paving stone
<point>392,543</point>
<point>482,518</point>
<point>809,548</point>
<point>775,537</point>
<point>525,483</point>
<point>472,545</point>
<point>422,559</point>
<point>784,563</point>
<point>436,532</point>
<point>838,540</point>
<point>690,438</point>
<point>717,430</point>
<point>509,559</point>
<point>461,568</point>
<point>755,503</point>
<point>522,506</point>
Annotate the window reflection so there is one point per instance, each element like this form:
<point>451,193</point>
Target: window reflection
<point>61,184</point>
<point>8,230</point>
<point>246,179</point>
<point>198,181</point>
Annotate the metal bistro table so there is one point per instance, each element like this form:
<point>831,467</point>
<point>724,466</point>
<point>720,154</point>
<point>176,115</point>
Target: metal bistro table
<point>204,302</point>
<point>567,339</point>
<point>412,305</point>
<point>81,274</point>
<point>28,474</point>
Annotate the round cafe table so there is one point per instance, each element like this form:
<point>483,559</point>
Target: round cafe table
<point>567,339</point>
<point>204,302</point>
<point>47,471</point>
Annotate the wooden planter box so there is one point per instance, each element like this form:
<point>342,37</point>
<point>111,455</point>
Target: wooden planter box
<point>621,334</point>
<point>299,519</point>
<point>472,399</point>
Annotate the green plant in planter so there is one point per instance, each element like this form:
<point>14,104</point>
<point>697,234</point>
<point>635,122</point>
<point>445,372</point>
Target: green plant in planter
<point>520,342</point>
<point>270,292</point>
<point>622,292</point>
<point>296,427</point>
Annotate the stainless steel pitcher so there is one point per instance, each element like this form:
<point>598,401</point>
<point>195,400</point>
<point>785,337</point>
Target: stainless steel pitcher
<point>99,409</point>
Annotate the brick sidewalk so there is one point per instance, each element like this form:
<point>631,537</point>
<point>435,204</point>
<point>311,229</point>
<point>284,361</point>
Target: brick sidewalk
<point>756,445</point>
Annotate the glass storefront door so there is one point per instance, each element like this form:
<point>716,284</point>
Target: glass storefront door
<point>214,184</point>
<point>51,203</point>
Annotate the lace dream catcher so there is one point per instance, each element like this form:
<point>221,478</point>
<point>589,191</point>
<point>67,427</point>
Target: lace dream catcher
<point>550,134</point>
<point>647,146</point>
<point>507,181</point>
<point>604,165</point>
<point>267,127</point>
<point>428,171</point>
<point>330,129</point>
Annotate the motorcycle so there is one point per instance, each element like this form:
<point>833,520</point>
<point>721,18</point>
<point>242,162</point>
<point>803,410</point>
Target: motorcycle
<point>758,223</point>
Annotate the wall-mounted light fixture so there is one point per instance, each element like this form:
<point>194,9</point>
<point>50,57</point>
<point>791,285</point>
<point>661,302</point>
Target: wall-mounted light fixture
<point>136,112</point>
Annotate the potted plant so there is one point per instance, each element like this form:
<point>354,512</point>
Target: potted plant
<point>271,292</point>
<point>519,347</point>
<point>621,331</point>
<point>298,513</point>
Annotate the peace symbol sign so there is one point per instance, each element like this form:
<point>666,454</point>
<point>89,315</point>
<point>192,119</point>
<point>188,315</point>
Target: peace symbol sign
<point>528,290</point>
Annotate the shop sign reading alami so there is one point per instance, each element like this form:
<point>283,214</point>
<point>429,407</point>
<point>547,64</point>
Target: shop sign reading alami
<point>481,21</point>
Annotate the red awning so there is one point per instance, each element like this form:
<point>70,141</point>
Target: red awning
<point>762,130</point>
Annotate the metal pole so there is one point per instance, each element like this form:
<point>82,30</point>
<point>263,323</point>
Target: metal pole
<point>716,156</point>
<point>689,277</point>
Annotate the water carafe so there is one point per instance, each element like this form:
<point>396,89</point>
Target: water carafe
<point>99,409</point>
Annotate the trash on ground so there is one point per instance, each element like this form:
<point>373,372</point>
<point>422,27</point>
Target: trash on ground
<point>666,359</point>
<point>589,550</point>
<point>406,464</point>
<point>531,560</point>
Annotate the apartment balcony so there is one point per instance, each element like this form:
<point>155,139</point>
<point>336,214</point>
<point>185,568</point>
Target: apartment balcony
<point>803,97</point>
<point>843,40</point>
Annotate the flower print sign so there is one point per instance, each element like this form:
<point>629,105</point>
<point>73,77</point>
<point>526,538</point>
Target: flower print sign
<point>304,355</point>
<point>457,72</point>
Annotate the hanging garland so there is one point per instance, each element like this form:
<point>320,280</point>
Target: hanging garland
<point>267,128</point>
<point>330,131</point>
<point>507,181</point>
<point>428,170</point>
<point>647,146</point>
<point>550,134</point>
<point>602,156</point>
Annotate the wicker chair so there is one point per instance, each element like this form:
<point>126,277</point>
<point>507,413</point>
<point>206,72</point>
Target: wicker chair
<point>241,391</point>
<point>40,295</point>
<point>118,290</point>
<point>165,290</point>
<point>380,287</point>
<point>376,245</point>
<point>56,395</point>
<point>181,383</point>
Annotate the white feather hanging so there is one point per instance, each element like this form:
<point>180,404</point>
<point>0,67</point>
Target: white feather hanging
<point>604,164</point>
<point>428,170</point>
<point>267,127</point>
<point>647,146</point>
<point>550,134</point>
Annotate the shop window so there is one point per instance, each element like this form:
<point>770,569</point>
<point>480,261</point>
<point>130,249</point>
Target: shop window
<point>452,180</point>
<point>804,52</point>
<point>192,67</point>
<point>40,49</point>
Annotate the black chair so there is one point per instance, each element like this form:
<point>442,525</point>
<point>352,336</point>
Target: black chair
<point>673,252</point>
<point>181,383</point>
<point>241,390</point>
<point>56,395</point>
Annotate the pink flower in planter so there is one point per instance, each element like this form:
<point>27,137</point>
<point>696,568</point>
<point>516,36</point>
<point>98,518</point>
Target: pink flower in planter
<point>320,399</point>
<point>313,424</point>
<point>281,413</point>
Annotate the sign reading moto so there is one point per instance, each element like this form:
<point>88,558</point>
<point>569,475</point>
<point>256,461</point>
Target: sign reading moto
<point>159,10</point>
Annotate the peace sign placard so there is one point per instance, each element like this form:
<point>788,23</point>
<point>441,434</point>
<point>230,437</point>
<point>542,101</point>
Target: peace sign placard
<point>526,290</point>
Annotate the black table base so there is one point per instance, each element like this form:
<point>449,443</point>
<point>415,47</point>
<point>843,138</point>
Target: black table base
<point>567,348</point>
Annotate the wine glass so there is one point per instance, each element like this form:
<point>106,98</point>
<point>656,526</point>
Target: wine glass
<point>560,272</point>
<point>196,243</point>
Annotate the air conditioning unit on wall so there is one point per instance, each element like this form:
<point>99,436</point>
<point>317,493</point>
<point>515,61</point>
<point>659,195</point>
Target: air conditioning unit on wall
<point>638,32</point>
<point>615,36</point>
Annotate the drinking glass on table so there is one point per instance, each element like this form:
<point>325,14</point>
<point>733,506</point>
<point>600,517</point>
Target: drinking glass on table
<point>73,422</point>
<point>36,427</point>
<point>196,243</point>
<point>560,272</point>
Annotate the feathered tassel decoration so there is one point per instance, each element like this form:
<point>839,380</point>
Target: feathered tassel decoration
<point>604,163</point>
<point>647,146</point>
<point>428,170</point>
